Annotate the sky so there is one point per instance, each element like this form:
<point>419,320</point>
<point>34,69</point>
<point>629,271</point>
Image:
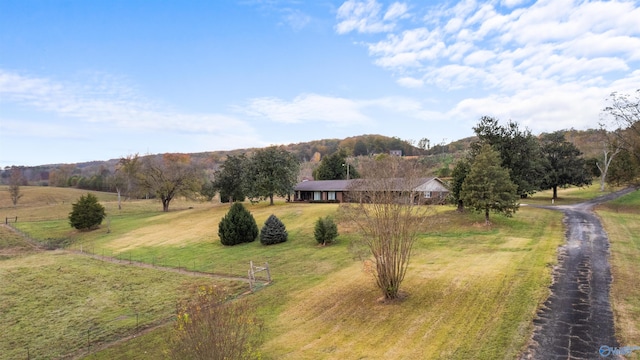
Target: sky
<point>97,80</point>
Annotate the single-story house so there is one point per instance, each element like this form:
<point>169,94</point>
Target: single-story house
<point>426,190</point>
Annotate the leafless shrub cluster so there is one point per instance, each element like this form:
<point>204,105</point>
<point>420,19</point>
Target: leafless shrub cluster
<point>387,211</point>
<point>211,326</point>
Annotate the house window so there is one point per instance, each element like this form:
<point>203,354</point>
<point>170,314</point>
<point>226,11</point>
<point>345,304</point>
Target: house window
<point>317,195</point>
<point>427,194</point>
<point>331,195</point>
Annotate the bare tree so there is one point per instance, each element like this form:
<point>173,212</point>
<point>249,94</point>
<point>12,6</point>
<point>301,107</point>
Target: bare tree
<point>609,152</point>
<point>126,174</point>
<point>170,176</point>
<point>211,326</point>
<point>385,209</point>
<point>623,115</point>
<point>15,180</point>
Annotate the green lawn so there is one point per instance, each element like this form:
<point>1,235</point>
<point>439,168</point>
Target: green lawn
<point>471,290</point>
<point>622,222</point>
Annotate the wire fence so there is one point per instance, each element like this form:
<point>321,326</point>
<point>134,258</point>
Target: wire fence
<point>84,340</point>
<point>81,341</point>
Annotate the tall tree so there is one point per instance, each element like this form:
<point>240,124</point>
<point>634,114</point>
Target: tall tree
<point>125,176</point>
<point>130,167</point>
<point>460,172</point>
<point>335,167</point>
<point>15,181</point>
<point>623,169</point>
<point>388,217</point>
<point>230,180</point>
<point>623,115</point>
<point>272,171</point>
<point>608,153</point>
<point>519,152</point>
<point>488,186</point>
<point>169,176</point>
<point>563,163</point>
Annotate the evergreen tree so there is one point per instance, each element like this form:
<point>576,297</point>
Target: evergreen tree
<point>460,172</point>
<point>334,167</point>
<point>237,226</point>
<point>519,152</point>
<point>230,180</point>
<point>273,231</point>
<point>86,213</point>
<point>488,187</point>
<point>325,230</point>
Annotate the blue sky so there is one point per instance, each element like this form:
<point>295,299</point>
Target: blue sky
<point>95,80</point>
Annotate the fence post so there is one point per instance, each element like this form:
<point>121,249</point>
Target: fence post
<point>266,265</point>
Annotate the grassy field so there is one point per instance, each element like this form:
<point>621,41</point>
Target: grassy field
<point>622,221</point>
<point>471,291</point>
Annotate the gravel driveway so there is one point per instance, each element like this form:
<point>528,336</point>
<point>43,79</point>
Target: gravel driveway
<point>576,320</point>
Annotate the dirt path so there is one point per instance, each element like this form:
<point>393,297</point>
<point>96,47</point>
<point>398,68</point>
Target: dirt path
<point>576,320</point>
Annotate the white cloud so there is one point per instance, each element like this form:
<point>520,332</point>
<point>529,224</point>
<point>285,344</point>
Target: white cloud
<point>366,17</point>
<point>296,19</point>
<point>410,82</point>
<point>561,40</point>
<point>396,11</point>
<point>105,100</point>
<point>308,108</point>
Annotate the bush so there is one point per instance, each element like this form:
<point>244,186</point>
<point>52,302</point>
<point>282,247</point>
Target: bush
<point>273,231</point>
<point>237,226</point>
<point>325,230</point>
<point>87,213</point>
<point>211,326</point>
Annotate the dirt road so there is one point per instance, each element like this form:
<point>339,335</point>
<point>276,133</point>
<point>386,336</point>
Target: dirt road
<point>576,320</point>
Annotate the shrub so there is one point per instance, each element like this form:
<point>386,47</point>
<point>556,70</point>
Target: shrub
<point>237,226</point>
<point>325,230</point>
<point>211,326</point>
<point>273,231</point>
<point>87,213</point>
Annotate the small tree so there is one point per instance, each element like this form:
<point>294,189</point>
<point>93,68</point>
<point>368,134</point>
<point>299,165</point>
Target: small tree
<point>237,226</point>
<point>211,326</point>
<point>488,187</point>
<point>273,231</point>
<point>87,213</point>
<point>15,180</point>
<point>385,210</point>
<point>325,230</point>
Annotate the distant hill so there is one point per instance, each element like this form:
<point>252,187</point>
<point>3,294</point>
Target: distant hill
<point>436,156</point>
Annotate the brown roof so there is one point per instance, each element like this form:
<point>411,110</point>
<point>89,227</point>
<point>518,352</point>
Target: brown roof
<point>398,184</point>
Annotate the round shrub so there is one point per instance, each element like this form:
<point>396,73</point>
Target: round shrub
<point>273,231</point>
<point>237,226</point>
<point>87,213</point>
<point>325,230</point>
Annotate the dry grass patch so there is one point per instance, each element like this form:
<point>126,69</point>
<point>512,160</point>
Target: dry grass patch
<point>52,303</point>
<point>623,229</point>
<point>468,295</point>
